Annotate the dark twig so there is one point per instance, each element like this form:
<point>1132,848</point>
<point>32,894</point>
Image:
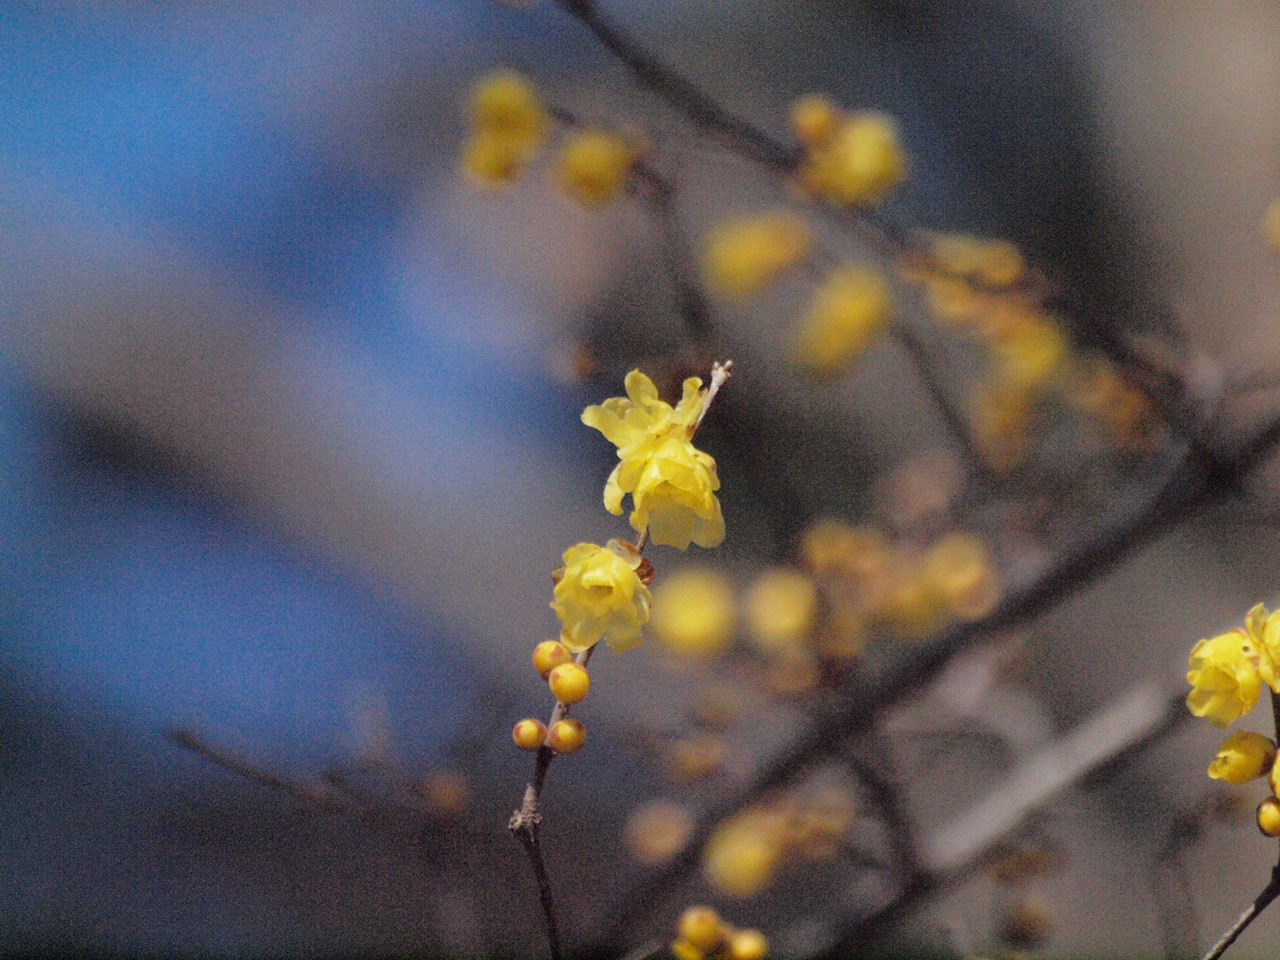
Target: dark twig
<point>311,794</point>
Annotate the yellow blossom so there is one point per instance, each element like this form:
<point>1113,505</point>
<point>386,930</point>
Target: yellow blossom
<point>781,606</point>
<point>1243,756</point>
<point>859,164</point>
<point>1262,632</point>
<point>995,263</point>
<point>960,568</point>
<point>1031,353</point>
<point>848,312</point>
<point>815,120</point>
<point>657,831</point>
<point>599,596</point>
<point>744,852</point>
<point>594,166</point>
<point>744,257</point>
<point>1224,681</point>
<point>1271,224</point>
<point>508,122</point>
<point>694,613</point>
<point>672,483</point>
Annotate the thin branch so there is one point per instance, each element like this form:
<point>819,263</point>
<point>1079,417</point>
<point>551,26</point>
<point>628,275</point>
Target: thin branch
<point>956,425</point>
<point>1264,899</point>
<point>887,799</point>
<point>307,793</point>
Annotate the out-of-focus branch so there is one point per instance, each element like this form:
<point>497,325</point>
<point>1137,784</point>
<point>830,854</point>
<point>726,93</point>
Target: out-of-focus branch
<point>311,794</point>
<point>1139,717</point>
<point>870,763</point>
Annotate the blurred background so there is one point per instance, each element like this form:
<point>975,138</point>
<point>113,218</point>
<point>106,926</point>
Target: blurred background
<point>289,436</point>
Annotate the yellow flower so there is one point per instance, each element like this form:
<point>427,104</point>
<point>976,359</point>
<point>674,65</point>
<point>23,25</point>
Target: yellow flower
<point>672,483</point>
<point>509,123</point>
<point>745,852</point>
<point>859,164</point>
<point>815,119</point>
<point>848,312</point>
<point>997,263</point>
<point>1271,224</point>
<point>594,166</point>
<point>1224,681</point>
<point>1031,353</point>
<point>781,608</point>
<point>1262,632</point>
<point>1243,757</point>
<point>598,595</point>
<point>744,257</point>
<point>694,613</point>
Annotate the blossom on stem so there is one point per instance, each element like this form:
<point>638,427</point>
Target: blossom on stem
<point>1224,681</point>
<point>672,483</point>
<point>1262,643</point>
<point>599,596</point>
<point>1243,756</point>
<point>849,310</point>
<point>857,163</point>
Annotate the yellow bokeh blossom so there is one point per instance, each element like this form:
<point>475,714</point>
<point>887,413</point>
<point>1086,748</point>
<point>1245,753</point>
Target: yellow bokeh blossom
<point>599,596</point>
<point>849,310</point>
<point>657,831</point>
<point>1243,756</point>
<point>694,614</point>
<point>594,165</point>
<point>1032,353</point>
<point>508,124</point>
<point>995,263</point>
<point>745,852</point>
<point>781,607</point>
<point>672,483</point>
<point>960,568</point>
<point>1271,223</point>
<point>815,120</point>
<point>744,257</point>
<point>859,163</point>
<point>1262,643</point>
<point>1224,681</point>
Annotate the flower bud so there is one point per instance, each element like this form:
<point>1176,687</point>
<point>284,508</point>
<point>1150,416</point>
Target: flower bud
<point>1243,756</point>
<point>569,683</point>
<point>1269,817</point>
<point>567,736</point>
<point>700,926</point>
<point>548,655</point>
<point>529,734</point>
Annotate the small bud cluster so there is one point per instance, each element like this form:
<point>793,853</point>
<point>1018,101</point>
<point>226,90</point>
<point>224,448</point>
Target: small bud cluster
<point>702,935</point>
<point>1227,674</point>
<point>1024,918</point>
<point>569,683</point>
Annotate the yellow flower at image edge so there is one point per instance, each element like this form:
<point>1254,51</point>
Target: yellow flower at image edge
<point>1224,682</point>
<point>1243,757</point>
<point>1262,640</point>
<point>672,483</point>
<point>599,596</point>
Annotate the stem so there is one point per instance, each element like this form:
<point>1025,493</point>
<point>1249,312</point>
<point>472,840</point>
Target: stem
<point>1266,895</point>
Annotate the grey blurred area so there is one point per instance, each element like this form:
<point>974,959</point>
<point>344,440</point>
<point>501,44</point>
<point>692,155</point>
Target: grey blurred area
<point>291,447</point>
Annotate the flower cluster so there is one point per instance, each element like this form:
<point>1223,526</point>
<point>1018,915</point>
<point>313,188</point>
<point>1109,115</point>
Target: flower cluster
<point>672,484</point>
<point>600,596</point>
<point>851,159</point>
<point>1227,674</point>
<point>508,125</point>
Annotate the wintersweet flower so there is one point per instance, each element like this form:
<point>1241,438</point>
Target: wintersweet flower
<point>594,166</point>
<point>1243,757</point>
<point>1224,681</point>
<point>1262,643</point>
<point>695,614</point>
<point>849,310</point>
<point>744,257</point>
<point>600,596</point>
<point>859,164</point>
<point>672,483</point>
